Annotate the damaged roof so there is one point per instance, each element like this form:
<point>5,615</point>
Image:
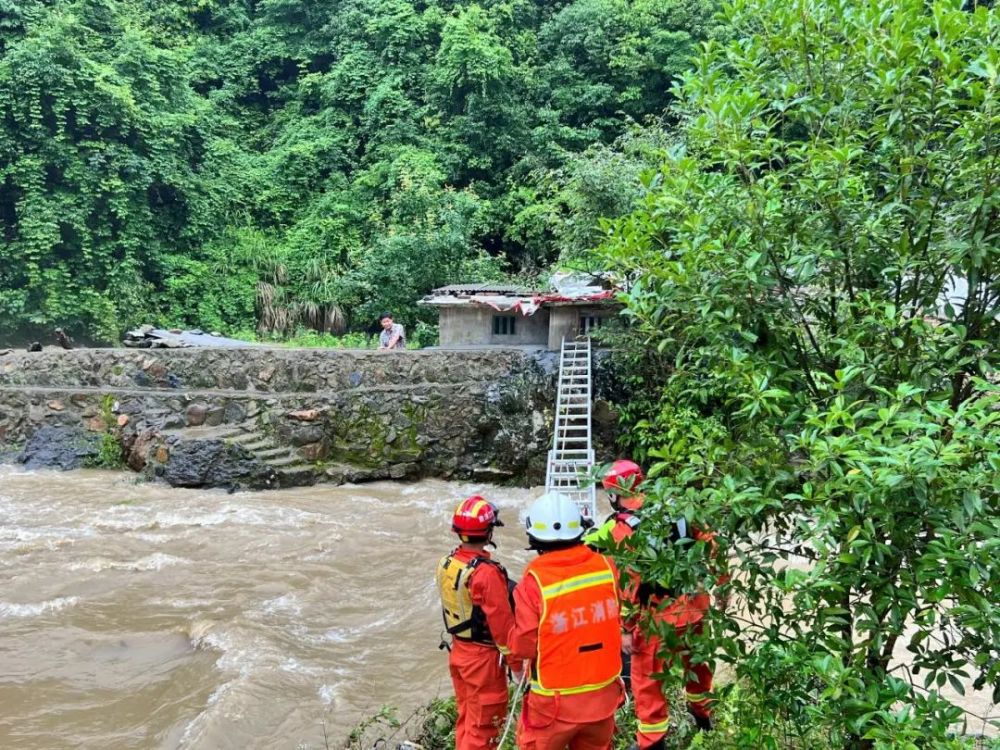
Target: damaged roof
<point>486,289</point>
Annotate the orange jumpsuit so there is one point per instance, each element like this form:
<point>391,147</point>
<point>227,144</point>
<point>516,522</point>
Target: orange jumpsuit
<point>477,672</point>
<point>684,613</point>
<point>578,645</point>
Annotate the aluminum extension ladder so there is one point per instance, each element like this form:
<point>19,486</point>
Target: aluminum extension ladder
<point>572,456</point>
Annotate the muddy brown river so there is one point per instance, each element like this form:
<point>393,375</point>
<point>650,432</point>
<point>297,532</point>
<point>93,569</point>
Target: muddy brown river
<point>139,616</point>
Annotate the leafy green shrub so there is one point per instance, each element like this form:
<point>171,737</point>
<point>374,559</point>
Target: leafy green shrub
<point>109,453</point>
<point>422,335</point>
<point>109,448</point>
<point>313,340</point>
<point>437,726</point>
<point>815,305</point>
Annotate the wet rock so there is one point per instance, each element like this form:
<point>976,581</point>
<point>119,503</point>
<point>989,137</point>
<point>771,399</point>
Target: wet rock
<point>215,463</point>
<point>60,447</point>
<point>158,370</point>
<point>314,451</point>
<point>399,471</point>
<point>214,416</point>
<point>336,474</point>
<point>300,435</point>
<point>172,421</point>
<point>234,413</point>
<point>356,475</point>
<point>604,413</point>
<point>137,452</point>
<point>196,414</point>
<point>491,474</point>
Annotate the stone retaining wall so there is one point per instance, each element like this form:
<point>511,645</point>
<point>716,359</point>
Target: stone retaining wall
<point>275,417</point>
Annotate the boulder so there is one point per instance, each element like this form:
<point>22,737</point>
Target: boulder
<point>314,451</point>
<point>304,415</point>
<point>138,449</point>
<point>399,471</point>
<point>196,414</point>
<point>60,447</point>
<point>215,463</point>
<point>305,434</point>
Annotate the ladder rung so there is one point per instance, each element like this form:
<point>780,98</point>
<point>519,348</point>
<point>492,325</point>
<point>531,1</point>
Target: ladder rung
<point>571,460</point>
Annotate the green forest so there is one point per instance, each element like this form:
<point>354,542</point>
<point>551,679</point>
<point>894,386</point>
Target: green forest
<point>238,165</point>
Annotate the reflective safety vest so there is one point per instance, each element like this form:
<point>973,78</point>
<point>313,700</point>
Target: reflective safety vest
<point>579,638</point>
<point>463,619</point>
<point>615,529</point>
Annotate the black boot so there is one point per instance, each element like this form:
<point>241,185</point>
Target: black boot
<point>701,723</point>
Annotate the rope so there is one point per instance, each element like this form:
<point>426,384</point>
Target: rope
<point>513,708</point>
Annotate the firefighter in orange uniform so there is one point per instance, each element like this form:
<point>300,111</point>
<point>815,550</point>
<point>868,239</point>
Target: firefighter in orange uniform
<point>475,602</point>
<point>684,612</point>
<point>567,625</point>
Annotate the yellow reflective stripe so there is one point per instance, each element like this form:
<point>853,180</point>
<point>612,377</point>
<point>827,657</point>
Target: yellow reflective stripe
<point>480,504</point>
<point>660,726</point>
<point>503,649</point>
<point>576,583</point>
<point>536,687</point>
<point>541,619</point>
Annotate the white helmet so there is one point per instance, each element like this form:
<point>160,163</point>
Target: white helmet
<point>554,518</point>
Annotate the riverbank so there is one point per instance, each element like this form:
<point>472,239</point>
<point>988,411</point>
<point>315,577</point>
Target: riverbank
<point>270,418</point>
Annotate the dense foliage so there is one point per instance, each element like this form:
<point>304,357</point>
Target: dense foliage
<point>816,298</point>
<point>238,165</point>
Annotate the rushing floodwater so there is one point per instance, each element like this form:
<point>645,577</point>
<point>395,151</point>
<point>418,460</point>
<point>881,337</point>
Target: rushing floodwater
<point>139,616</point>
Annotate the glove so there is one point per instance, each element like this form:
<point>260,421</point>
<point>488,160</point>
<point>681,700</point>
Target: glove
<point>517,669</point>
<point>626,643</point>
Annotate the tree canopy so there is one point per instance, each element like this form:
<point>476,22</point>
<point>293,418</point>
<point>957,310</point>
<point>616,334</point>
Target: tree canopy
<point>233,164</point>
<point>816,293</point>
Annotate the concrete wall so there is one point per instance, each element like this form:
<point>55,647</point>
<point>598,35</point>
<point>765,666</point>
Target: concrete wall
<point>472,325</point>
<point>563,322</point>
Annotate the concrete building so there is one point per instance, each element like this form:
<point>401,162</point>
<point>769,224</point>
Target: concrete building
<point>504,315</point>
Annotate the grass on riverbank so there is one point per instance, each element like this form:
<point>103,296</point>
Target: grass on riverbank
<point>421,336</point>
<point>432,727</point>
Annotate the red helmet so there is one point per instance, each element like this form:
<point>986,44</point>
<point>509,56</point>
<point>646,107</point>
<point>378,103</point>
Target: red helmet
<point>623,476</point>
<point>475,517</point>
<point>622,481</point>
